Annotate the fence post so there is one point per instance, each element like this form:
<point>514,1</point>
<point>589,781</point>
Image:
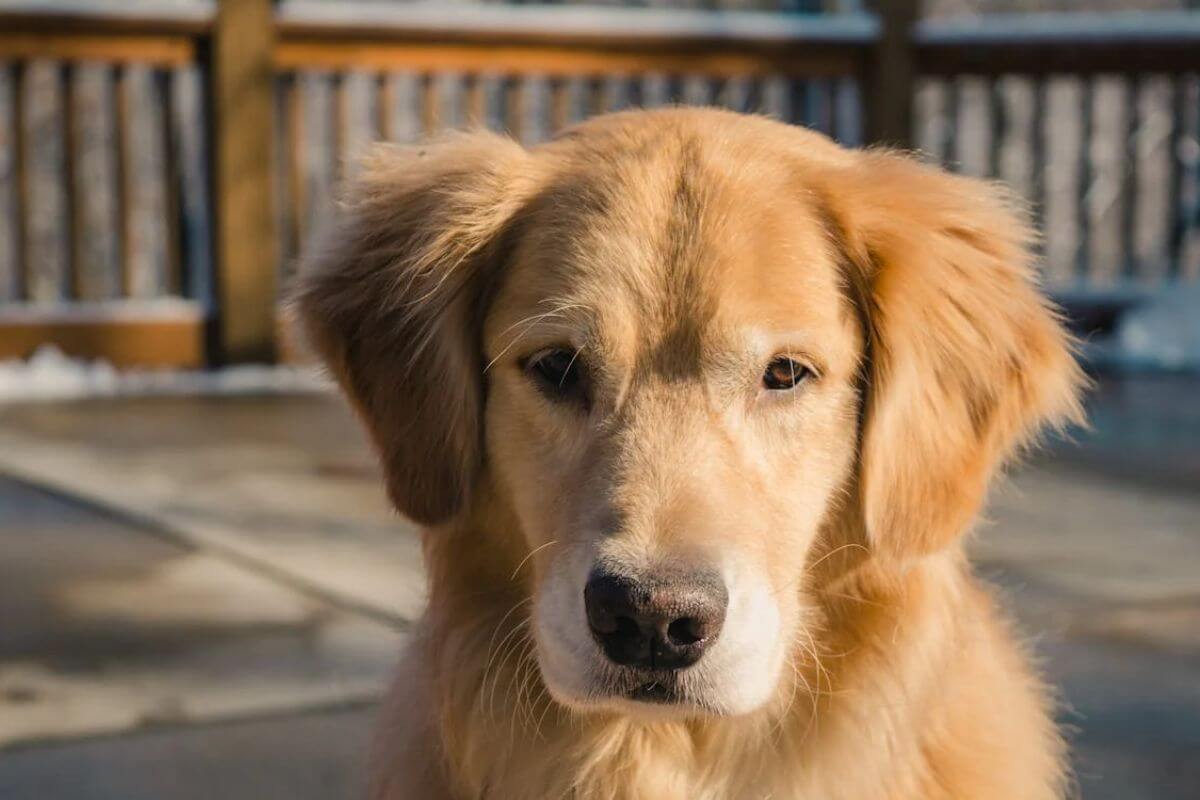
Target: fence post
<point>241,90</point>
<point>891,76</point>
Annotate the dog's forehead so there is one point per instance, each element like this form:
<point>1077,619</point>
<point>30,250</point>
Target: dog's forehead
<point>671,242</point>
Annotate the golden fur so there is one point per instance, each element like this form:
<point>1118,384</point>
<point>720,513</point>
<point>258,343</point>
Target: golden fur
<point>653,242</point>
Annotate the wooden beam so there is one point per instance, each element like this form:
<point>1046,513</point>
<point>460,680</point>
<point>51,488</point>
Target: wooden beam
<point>554,60</point>
<point>125,335</point>
<point>1048,58</point>
<point>611,28</point>
<point>156,50</point>
<point>111,19</point>
<point>242,131</point>
<point>1046,43</point>
<point>890,83</point>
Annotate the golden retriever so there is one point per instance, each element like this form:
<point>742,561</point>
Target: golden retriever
<point>695,409</point>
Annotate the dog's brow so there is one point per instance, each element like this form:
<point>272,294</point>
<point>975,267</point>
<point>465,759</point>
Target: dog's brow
<point>557,318</point>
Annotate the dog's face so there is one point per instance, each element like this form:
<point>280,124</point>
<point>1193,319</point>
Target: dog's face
<point>671,406</point>
<point>687,351</point>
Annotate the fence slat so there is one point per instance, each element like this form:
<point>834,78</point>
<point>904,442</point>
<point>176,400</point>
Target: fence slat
<point>535,96</point>
<point>20,276</point>
<point>1084,193</point>
<point>998,126</point>
<point>406,92</point>
<point>73,248</point>
<point>950,155</point>
<point>430,107</point>
<point>597,99</point>
<point>820,105</point>
<point>358,118</point>
<point>797,102</point>
<point>174,279</point>
<point>1192,234</point>
<point>317,141</point>
<point>560,111</point>
<point>385,107</point>
<point>1129,183</point>
<point>98,274</point>
<point>514,107</point>
<point>96,269</point>
<point>775,96</point>
<point>1037,159</point>
<point>1176,214</point>
<point>196,235</point>
<point>147,243</point>
<point>337,153</point>
<point>10,267</point>
<point>46,277</point>
<point>848,121</point>
<point>475,102</point>
<point>121,146</point>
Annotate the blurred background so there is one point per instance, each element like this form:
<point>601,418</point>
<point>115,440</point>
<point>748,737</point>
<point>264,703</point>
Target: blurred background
<point>201,587</point>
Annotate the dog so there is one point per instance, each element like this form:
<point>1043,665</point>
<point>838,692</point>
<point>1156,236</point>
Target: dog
<point>694,409</point>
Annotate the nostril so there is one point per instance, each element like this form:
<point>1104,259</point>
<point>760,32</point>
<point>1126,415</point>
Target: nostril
<point>609,605</point>
<point>685,631</point>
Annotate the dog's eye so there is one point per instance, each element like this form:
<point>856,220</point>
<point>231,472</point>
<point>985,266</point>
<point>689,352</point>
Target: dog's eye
<point>783,373</point>
<point>557,372</point>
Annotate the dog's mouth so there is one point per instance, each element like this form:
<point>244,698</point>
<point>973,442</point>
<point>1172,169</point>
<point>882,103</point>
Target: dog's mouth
<point>665,690</point>
<point>656,691</point>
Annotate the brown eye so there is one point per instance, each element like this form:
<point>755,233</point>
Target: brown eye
<point>783,373</point>
<point>558,372</point>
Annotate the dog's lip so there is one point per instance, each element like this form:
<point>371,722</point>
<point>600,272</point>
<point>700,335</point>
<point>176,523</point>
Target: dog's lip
<point>654,692</point>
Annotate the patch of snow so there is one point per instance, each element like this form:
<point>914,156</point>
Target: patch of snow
<point>50,375</point>
<point>1164,333</point>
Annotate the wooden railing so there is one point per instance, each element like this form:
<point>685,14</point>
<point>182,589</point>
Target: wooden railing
<point>151,208</point>
<point>1096,118</point>
<point>346,79</point>
<point>104,218</point>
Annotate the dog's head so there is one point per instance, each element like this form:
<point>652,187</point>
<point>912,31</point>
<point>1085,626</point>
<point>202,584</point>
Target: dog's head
<point>691,354</point>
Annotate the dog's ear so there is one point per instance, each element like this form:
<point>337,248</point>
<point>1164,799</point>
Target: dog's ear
<point>966,359</point>
<point>391,302</point>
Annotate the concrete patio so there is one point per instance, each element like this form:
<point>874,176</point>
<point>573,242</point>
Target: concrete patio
<point>201,597</point>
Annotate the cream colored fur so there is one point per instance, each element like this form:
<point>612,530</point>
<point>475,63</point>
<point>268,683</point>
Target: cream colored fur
<point>676,252</point>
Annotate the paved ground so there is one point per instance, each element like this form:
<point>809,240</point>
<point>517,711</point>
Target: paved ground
<point>201,597</point>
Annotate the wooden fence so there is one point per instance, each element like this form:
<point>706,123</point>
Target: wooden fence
<point>160,174</point>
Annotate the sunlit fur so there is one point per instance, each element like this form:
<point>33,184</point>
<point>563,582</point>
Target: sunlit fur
<point>678,252</point>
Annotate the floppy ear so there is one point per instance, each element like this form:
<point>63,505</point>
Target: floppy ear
<point>391,300</point>
<point>967,360</point>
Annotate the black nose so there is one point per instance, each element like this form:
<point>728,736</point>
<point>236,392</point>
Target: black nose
<point>661,623</point>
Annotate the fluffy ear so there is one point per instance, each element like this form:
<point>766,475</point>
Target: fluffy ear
<point>967,360</point>
<point>392,299</point>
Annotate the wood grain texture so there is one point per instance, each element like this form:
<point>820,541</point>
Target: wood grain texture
<point>242,81</point>
<point>146,339</point>
<point>551,60</point>
<point>156,50</point>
